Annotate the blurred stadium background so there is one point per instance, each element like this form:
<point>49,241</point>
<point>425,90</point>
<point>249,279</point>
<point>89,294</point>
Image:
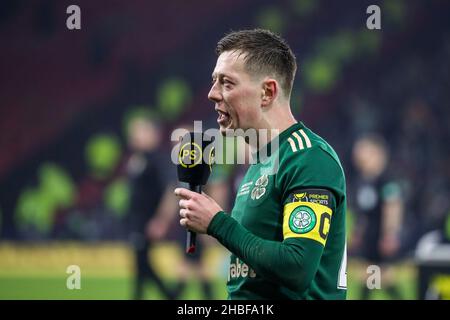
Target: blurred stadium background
<point>66,97</point>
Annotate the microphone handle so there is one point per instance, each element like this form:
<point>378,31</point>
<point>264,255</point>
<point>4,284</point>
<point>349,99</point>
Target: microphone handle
<point>191,236</point>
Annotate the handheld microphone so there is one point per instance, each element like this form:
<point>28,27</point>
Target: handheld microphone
<point>195,160</point>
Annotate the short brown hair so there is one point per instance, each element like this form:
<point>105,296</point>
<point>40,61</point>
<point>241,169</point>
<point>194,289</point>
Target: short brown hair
<point>264,52</point>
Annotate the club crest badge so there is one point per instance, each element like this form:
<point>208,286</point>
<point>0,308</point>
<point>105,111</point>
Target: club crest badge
<point>260,187</point>
<point>302,220</point>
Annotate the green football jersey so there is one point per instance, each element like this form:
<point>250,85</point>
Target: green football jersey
<point>296,196</point>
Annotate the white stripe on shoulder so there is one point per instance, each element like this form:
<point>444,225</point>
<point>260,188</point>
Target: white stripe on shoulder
<point>308,142</point>
<point>300,142</point>
<point>294,148</point>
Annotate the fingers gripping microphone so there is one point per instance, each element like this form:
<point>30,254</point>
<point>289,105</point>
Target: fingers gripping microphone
<point>195,160</point>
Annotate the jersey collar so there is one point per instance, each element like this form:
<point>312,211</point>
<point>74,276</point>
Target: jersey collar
<point>261,156</point>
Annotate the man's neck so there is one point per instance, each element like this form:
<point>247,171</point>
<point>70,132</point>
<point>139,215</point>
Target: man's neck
<point>276,121</point>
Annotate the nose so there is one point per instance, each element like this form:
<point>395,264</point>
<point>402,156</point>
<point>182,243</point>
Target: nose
<point>214,94</point>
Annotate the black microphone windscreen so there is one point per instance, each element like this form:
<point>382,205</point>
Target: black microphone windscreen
<point>195,158</point>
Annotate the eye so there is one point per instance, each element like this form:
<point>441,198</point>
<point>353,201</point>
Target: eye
<point>227,83</point>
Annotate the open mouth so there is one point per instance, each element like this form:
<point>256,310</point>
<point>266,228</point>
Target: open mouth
<point>224,118</point>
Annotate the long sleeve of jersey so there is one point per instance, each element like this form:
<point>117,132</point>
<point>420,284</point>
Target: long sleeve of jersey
<point>291,263</point>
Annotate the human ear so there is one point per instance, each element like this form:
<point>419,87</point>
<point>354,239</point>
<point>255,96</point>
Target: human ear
<point>269,91</point>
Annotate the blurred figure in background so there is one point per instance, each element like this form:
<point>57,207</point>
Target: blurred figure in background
<point>191,266</point>
<point>379,212</point>
<point>149,178</point>
<point>157,228</point>
<point>195,265</point>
